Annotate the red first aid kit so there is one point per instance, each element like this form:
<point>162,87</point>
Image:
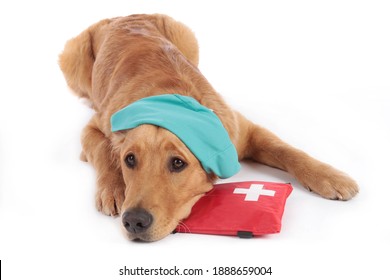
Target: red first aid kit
<point>244,209</point>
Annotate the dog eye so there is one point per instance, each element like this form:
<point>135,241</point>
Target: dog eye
<point>130,161</point>
<point>177,165</point>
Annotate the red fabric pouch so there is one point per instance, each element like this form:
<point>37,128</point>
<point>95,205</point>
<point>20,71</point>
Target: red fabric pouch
<point>245,209</point>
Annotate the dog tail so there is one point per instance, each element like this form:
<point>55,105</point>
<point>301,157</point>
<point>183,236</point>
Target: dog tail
<point>77,59</point>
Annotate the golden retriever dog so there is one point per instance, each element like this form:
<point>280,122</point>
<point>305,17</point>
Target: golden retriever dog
<point>147,174</point>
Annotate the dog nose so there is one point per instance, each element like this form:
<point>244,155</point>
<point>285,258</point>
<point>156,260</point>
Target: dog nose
<point>136,220</point>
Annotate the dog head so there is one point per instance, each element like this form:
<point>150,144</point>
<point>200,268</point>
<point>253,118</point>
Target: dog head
<point>163,181</point>
<point>171,149</point>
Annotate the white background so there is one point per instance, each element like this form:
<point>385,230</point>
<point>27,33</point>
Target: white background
<point>317,74</point>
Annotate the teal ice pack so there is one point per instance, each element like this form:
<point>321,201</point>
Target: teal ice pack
<point>198,127</point>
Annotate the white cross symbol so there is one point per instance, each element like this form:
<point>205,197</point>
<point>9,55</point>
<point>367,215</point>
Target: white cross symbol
<point>253,193</point>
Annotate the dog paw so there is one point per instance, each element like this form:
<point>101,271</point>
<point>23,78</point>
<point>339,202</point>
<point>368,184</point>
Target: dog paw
<point>330,183</point>
<point>109,200</point>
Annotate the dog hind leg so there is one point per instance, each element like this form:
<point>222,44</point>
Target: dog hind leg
<point>264,147</point>
<point>77,59</point>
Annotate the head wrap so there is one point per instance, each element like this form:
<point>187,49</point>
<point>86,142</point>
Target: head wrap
<point>195,125</point>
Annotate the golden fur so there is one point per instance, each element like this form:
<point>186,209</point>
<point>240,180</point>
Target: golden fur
<point>118,61</point>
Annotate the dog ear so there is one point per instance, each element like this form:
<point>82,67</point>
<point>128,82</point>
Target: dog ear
<point>117,140</point>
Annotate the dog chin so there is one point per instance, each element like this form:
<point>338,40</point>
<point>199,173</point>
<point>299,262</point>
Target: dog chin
<point>139,237</point>
<point>148,236</point>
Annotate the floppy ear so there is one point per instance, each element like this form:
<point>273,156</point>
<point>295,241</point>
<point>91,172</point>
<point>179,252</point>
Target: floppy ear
<point>117,140</point>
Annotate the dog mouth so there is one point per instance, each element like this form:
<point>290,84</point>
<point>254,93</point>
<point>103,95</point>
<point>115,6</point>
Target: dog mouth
<point>148,236</point>
<point>139,237</point>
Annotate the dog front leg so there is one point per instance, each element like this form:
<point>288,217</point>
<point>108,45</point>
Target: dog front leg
<point>110,185</point>
<point>263,146</point>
